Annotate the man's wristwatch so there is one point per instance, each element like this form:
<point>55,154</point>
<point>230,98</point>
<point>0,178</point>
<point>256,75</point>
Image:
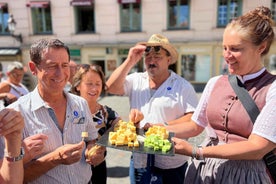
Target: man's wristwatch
<point>14,159</point>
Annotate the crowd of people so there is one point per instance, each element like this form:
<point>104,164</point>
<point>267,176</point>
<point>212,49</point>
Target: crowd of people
<point>42,131</point>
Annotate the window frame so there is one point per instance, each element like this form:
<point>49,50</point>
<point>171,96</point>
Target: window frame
<point>194,67</point>
<point>43,14</point>
<point>228,11</point>
<point>273,9</point>
<point>77,10</point>
<point>131,21</point>
<point>4,29</point>
<point>178,2</point>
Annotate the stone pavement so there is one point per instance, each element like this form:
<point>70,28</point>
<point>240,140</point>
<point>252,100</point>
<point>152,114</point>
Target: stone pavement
<point>117,160</point>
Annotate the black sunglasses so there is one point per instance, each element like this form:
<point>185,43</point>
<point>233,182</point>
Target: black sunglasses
<point>155,48</point>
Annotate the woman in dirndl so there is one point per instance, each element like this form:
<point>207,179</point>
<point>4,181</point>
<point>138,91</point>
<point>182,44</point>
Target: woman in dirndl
<point>236,145</point>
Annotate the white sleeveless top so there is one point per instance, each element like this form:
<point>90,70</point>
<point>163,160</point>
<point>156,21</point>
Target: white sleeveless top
<point>18,91</point>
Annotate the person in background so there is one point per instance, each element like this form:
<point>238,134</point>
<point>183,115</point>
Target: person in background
<point>89,83</point>
<point>236,147</point>
<point>5,98</point>
<point>12,88</point>
<point>11,151</point>
<point>161,95</point>
<point>73,69</point>
<point>2,95</point>
<point>1,72</point>
<point>62,116</point>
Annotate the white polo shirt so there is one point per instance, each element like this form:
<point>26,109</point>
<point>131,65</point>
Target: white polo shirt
<point>171,100</point>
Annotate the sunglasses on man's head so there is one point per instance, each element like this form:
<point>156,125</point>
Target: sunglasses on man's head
<point>155,48</point>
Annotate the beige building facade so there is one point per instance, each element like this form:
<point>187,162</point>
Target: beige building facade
<point>199,46</point>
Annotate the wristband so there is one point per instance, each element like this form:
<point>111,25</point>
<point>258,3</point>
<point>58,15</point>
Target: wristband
<point>15,159</point>
<point>197,153</point>
<point>200,154</point>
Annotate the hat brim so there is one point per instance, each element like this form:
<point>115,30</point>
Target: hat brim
<point>173,52</point>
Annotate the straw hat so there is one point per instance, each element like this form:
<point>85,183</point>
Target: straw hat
<point>160,40</point>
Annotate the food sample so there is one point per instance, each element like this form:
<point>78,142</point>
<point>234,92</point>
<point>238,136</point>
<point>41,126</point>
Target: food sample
<point>157,139</point>
<point>84,135</point>
<point>93,150</point>
<point>124,134</point>
<point>158,130</point>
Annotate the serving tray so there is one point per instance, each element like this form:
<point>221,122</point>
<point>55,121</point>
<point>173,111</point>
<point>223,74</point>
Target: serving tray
<point>103,141</point>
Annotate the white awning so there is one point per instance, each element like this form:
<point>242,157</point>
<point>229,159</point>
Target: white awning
<point>3,5</point>
<point>38,4</point>
<point>81,2</point>
<point>8,52</point>
<point>128,1</point>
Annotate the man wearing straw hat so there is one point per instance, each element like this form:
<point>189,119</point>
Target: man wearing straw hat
<point>162,96</point>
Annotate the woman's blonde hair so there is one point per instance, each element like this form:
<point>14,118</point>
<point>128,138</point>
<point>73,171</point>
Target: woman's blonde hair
<point>255,26</point>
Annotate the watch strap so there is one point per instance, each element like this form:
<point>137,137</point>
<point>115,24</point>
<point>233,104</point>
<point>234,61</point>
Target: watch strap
<point>15,159</point>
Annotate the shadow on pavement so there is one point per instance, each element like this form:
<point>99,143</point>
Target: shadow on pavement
<point>117,172</point>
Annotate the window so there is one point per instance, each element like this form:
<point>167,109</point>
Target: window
<point>4,16</point>
<point>272,64</point>
<point>273,9</point>
<point>188,67</point>
<point>130,17</point>
<point>227,10</point>
<point>41,17</point>
<point>100,62</point>
<point>84,15</point>
<point>85,20</point>
<point>178,14</point>
<point>195,68</point>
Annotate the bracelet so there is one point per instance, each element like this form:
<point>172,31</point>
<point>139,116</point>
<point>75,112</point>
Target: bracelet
<point>197,153</point>
<point>14,159</point>
<point>200,154</point>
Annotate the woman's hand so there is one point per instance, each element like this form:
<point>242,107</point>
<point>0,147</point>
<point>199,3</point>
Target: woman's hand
<point>182,147</point>
<point>95,155</point>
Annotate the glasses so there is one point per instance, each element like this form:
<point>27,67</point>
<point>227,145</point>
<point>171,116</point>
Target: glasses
<point>155,48</point>
<point>17,74</point>
<point>84,66</point>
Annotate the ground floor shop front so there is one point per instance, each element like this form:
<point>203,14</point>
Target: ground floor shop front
<point>197,62</point>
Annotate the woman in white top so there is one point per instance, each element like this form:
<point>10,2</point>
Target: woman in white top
<point>12,87</point>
